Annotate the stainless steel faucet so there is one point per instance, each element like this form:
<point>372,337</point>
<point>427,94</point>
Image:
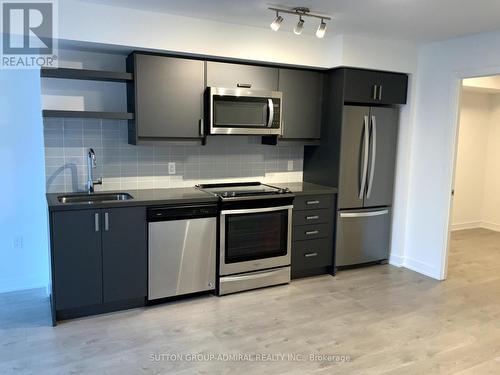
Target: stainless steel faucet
<point>91,164</point>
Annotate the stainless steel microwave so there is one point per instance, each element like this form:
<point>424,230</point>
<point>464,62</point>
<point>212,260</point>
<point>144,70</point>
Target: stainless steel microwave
<point>243,112</point>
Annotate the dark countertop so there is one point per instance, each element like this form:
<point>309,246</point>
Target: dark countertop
<point>305,188</point>
<point>145,197</point>
<point>152,197</point>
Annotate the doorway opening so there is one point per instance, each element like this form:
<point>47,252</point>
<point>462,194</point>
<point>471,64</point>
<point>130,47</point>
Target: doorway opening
<point>475,215</point>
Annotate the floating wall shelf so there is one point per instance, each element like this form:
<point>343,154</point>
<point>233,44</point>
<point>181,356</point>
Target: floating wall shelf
<point>89,75</point>
<point>85,74</point>
<point>89,114</point>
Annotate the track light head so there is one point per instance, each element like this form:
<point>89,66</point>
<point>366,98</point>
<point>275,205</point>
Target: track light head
<point>299,27</point>
<point>275,25</point>
<point>320,33</point>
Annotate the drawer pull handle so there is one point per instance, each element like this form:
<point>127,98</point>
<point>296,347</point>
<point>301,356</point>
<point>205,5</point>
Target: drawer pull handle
<point>310,255</point>
<point>314,217</point>
<point>312,202</point>
<point>311,232</point>
<point>244,85</point>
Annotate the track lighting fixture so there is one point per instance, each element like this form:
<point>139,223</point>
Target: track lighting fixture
<point>299,27</point>
<point>275,25</point>
<point>301,12</point>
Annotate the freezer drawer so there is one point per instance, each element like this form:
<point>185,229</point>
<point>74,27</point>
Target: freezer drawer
<point>362,236</point>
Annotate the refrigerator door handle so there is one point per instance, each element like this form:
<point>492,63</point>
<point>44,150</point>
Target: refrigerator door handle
<point>366,141</point>
<point>373,156</point>
<point>364,214</point>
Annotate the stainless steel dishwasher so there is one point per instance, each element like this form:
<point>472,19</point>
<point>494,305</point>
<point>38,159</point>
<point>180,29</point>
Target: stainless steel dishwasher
<point>181,250</point>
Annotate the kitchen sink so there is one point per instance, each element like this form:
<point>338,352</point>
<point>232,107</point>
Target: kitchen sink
<point>94,198</point>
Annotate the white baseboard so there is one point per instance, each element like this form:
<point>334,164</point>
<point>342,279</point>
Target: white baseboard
<point>423,268</point>
<point>490,226</point>
<point>396,260</point>
<point>463,226</point>
<point>476,224</point>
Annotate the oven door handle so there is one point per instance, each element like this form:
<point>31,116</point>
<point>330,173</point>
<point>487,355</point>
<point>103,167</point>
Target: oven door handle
<point>252,276</point>
<point>256,210</point>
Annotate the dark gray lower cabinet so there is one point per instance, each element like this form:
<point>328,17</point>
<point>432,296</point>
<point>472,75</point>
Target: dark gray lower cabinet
<point>76,259</point>
<point>99,258</point>
<point>124,254</point>
<point>313,235</point>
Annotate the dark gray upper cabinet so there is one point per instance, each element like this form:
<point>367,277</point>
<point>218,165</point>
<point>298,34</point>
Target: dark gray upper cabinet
<point>301,108</point>
<point>240,75</point>
<point>167,97</point>
<point>124,253</point>
<point>76,259</point>
<point>374,87</point>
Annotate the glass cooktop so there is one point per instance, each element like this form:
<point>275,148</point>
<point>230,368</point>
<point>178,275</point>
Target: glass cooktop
<point>242,189</point>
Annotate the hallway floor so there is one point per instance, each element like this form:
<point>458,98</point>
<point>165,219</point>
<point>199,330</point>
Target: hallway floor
<point>387,320</point>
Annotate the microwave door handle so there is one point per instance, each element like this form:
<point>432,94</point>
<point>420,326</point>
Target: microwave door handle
<point>271,112</point>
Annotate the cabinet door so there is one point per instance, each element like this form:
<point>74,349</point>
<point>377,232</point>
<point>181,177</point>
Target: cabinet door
<point>168,96</point>
<point>359,86</point>
<point>382,160</point>
<point>76,255</point>
<point>237,75</point>
<point>353,157</point>
<point>374,87</point>
<point>393,88</point>
<point>301,112</point>
<point>124,253</point>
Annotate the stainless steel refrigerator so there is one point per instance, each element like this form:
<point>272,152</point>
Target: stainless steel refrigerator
<point>366,182</point>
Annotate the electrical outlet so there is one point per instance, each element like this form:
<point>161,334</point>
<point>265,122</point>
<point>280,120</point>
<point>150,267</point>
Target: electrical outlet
<point>17,243</point>
<point>290,165</point>
<point>171,168</point>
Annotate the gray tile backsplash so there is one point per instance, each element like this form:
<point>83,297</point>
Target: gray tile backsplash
<point>124,166</point>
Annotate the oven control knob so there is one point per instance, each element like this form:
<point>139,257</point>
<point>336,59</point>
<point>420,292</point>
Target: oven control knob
<point>224,194</point>
<point>233,194</point>
<point>283,191</point>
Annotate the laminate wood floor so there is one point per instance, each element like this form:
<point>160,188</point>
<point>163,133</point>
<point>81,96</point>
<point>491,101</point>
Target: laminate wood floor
<point>387,320</point>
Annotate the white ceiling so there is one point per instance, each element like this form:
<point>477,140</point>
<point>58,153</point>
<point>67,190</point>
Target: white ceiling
<point>416,20</point>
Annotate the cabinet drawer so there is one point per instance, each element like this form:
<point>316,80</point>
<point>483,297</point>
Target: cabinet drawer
<point>312,202</point>
<point>312,254</point>
<point>311,232</point>
<point>307,217</point>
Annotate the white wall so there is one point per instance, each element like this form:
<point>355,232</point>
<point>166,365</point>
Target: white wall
<point>22,187</point>
<point>440,67</point>
<point>93,23</point>
<point>475,111</point>
<point>491,199</point>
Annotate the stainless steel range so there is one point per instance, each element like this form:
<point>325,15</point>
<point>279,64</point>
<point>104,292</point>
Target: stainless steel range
<point>255,230</point>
